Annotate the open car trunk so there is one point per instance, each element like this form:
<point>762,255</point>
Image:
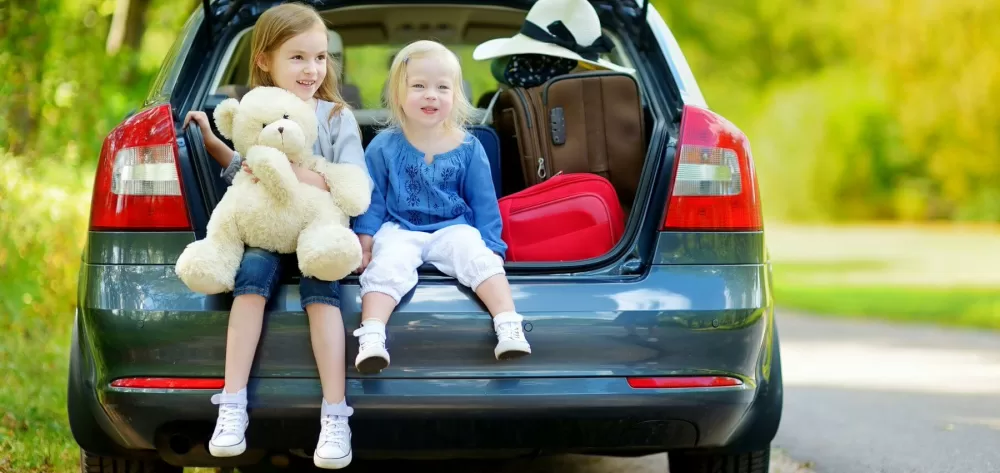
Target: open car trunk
<point>595,317</point>
<point>626,257</point>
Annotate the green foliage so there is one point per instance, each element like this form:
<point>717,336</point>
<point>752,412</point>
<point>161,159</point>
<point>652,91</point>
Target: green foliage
<point>62,91</point>
<point>43,219</point>
<point>958,307</point>
<point>856,110</point>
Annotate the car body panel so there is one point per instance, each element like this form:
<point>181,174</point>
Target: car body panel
<point>674,320</point>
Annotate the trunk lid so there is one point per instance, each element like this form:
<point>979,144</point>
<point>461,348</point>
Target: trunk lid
<point>709,317</point>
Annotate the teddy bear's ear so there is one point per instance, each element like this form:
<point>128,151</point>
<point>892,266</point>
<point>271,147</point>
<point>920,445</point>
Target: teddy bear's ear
<point>224,115</point>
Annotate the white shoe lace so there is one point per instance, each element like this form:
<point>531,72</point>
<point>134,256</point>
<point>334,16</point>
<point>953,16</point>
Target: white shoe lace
<point>335,431</point>
<point>230,419</point>
<point>369,337</point>
<point>510,330</point>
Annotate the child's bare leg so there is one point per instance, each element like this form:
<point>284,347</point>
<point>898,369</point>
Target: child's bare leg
<point>245,321</point>
<point>377,306</point>
<point>321,300</point>
<point>495,293</point>
<point>254,281</point>
<point>326,331</point>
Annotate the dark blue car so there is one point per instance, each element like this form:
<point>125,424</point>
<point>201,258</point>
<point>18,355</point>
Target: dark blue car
<point>666,343</point>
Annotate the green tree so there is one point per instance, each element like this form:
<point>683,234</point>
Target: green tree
<point>857,110</point>
<point>72,76</point>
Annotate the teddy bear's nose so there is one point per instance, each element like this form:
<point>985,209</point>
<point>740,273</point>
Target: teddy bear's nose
<point>281,129</point>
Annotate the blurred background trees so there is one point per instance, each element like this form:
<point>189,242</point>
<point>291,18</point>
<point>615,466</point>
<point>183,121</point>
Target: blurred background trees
<point>72,69</point>
<point>879,109</point>
<point>876,109</point>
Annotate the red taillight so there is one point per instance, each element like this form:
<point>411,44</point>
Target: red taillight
<point>715,186</point>
<point>169,383</point>
<point>137,186</point>
<point>676,382</point>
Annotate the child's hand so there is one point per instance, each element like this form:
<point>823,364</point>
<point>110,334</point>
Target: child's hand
<point>247,170</point>
<point>366,257</point>
<point>215,147</point>
<point>366,252</point>
<point>212,142</point>
<point>310,177</point>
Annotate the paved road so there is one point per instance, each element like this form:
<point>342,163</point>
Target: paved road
<point>869,397</point>
<point>561,464</point>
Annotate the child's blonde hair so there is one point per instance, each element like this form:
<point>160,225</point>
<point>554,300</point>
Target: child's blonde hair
<point>461,109</point>
<point>279,24</point>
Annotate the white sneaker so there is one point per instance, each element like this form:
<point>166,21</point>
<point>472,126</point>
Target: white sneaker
<point>333,451</point>
<point>229,438</point>
<point>510,337</point>
<point>372,355</point>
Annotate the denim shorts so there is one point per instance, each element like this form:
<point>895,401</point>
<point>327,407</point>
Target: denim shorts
<point>259,274</point>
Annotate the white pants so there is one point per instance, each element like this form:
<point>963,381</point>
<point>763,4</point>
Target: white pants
<point>458,251</point>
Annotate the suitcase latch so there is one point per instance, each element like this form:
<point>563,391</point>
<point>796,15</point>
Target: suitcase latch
<point>558,124</point>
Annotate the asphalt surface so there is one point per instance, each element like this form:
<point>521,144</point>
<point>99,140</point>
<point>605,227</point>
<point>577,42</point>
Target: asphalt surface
<point>557,464</point>
<point>871,397</point>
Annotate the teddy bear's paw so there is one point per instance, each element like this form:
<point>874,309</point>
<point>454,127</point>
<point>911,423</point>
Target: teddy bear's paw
<point>205,270</point>
<point>266,157</point>
<point>328,253</point>
<point>350,189</point>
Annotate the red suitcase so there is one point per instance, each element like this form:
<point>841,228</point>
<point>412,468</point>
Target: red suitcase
<point>569,217</point>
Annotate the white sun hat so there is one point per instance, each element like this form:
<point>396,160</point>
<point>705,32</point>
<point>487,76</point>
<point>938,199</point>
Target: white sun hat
<point>569,29</point>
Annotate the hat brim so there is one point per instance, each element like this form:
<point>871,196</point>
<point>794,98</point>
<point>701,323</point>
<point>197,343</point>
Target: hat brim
<point>520,44</point>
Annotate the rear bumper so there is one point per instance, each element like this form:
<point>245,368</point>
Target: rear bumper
<point>400,417</point>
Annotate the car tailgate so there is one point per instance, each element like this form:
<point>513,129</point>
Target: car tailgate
<point>672,320</point>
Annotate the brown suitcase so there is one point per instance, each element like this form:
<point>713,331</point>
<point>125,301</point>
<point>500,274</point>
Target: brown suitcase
<point>588,122</point>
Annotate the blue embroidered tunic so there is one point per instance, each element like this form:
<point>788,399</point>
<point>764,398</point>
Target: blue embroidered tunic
<point>455,188</point>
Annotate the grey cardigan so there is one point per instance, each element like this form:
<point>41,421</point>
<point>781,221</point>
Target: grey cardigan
<point>339,141</point>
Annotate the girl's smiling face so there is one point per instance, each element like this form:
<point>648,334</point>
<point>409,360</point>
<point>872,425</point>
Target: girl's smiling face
<point>430,91</point>
<point>299,64</point>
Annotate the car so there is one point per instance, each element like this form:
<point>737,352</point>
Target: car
<point>668,342</point>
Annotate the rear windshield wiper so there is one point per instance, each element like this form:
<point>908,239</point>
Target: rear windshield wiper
<point>211,21</point>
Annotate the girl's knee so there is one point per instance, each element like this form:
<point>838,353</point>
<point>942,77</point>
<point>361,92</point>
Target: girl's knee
<point>392,280</point>
<point>248,307</point>
<point>250,298</point>
<point>480,268</point>
<point>323,310</point>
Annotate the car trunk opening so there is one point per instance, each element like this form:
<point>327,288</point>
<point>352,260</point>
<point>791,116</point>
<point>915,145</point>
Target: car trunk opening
<point>627,256</point>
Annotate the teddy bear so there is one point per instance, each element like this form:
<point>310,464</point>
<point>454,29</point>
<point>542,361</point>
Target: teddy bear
<point>269,208</point>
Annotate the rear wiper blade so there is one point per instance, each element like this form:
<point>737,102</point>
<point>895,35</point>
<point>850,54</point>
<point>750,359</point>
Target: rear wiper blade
<point>640,23</point>
<point>211,21</point>
<point>631,22</point>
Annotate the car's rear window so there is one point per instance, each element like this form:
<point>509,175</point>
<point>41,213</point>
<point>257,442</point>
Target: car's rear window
<point>371,35</point>
<point>367,67</point>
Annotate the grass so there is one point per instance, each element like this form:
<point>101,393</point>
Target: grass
<point>965,307</point>
<point>34,434</point>
<point>943,275</point>
<point>43,212</point>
